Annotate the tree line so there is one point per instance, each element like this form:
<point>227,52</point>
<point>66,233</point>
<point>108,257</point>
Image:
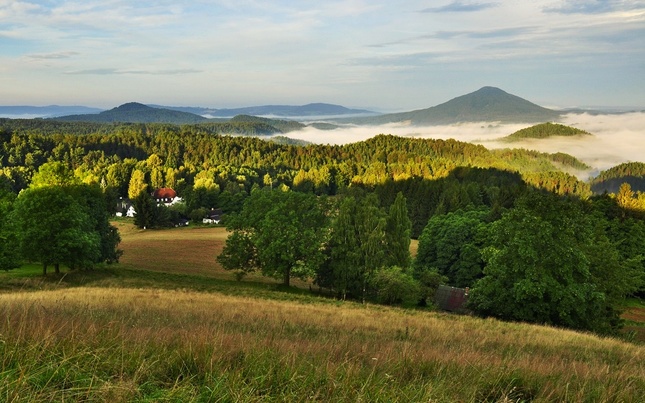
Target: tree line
<point>530,241</point>
<point>211,170</point>
<point>548,259</point>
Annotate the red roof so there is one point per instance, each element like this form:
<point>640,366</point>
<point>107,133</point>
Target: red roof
<point>164,193</point>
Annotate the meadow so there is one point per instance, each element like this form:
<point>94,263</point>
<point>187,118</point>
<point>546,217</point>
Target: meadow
<point>165,328</point>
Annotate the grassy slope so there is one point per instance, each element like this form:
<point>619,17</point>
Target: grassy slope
<point>122,334</point>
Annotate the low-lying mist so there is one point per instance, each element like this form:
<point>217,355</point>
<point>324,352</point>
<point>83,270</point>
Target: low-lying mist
<point>616,138</point>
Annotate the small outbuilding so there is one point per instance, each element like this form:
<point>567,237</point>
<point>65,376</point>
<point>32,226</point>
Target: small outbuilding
<point>451,298</point>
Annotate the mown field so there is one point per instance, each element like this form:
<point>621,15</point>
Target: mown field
<point>179,332</point>
<point>188,250</point>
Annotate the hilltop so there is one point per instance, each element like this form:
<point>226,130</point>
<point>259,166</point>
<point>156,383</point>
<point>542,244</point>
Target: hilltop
<point>610,180</point>
<point>488,104</point>
<point>546,130</point>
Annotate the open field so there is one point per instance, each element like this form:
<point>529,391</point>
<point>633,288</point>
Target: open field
<point>117,344</point>
<point>183,330</point>
<point>189,250</point>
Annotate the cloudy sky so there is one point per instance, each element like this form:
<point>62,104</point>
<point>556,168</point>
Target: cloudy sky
<point>387,55</point>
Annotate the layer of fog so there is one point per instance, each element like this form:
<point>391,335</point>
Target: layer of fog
<point>298,118</point>
<point>616,138</point>
<point>23,116</point>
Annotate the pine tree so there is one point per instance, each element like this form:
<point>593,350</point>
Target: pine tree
<point>397,233</point>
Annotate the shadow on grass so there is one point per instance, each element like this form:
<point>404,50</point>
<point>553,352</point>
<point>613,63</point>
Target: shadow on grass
<point>106,276</point>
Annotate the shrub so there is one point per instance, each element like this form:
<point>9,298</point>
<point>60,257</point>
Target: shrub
<point>394,285</point>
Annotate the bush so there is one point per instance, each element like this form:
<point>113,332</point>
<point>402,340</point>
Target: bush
<point>394,285</point>
<point>198,214</point>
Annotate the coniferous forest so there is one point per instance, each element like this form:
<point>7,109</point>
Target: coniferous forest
<point>531,241</point>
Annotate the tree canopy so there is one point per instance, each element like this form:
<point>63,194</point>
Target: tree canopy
<point>543,265</point>
<point>279,233</point>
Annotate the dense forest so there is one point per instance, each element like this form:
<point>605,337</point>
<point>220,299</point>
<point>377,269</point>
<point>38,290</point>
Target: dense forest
<point>212,170</point>
<point>610,180</point>
<point>530,240</point>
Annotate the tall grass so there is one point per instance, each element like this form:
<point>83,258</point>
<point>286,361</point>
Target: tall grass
<point>118,344</point>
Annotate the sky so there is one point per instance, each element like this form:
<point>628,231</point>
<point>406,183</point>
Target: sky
<point>381,55</point>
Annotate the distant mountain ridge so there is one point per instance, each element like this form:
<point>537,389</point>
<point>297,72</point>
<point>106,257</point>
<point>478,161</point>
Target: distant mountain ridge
<point>25,111</point>
<point>134,112</point>
<point>286,111</point>
<point>488,104</point>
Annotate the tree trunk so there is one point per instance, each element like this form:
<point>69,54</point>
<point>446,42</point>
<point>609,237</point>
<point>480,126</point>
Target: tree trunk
<point>57,268</point>
<point>287,277</point>
<point>364,290</point>
<point>44,269</point>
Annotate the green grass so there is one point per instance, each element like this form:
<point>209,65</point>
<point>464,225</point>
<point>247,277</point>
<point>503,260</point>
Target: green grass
<point>120,333</point>
<point>26,270</point>
<point>147,344</point>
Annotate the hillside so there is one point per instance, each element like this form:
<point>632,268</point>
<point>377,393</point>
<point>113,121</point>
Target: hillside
<point>284,126</point>
<point>181,337</point>
<point>610,180</point>
<point>488,104</point>
<point>545,130</point>
<point>134,112</point>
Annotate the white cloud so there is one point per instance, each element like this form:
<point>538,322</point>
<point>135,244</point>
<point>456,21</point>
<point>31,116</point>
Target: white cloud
<point>384,54</point>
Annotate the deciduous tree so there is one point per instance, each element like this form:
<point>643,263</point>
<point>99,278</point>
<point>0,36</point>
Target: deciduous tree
<point>543,265</point>
<point>54,229</point>
<point>286,231</point>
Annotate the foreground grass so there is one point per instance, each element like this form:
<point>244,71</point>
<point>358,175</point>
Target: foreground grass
<point>183,330</point>
<point>129,344</point>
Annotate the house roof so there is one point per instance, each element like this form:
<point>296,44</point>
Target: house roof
<point>164,193</point>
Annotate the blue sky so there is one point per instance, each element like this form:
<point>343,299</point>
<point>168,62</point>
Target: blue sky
<point>390,55</point>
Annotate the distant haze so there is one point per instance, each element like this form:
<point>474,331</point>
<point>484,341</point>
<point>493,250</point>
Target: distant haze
<point>616,138</point>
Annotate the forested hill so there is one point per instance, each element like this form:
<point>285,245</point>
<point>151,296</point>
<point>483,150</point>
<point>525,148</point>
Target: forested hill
<point>487,104</point>
<point>546,130</point>
<point>239,125</point>
<point>610,180</point>
<point>138,113</point>
<point>192,157</point>
<point>134,112</point>
<point>485,219</point>
<point>284,126</point>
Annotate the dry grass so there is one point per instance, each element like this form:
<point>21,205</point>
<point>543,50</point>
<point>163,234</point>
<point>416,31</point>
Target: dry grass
<point>129,344</point>
<point>190,250</point>
<point>118,344</point>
